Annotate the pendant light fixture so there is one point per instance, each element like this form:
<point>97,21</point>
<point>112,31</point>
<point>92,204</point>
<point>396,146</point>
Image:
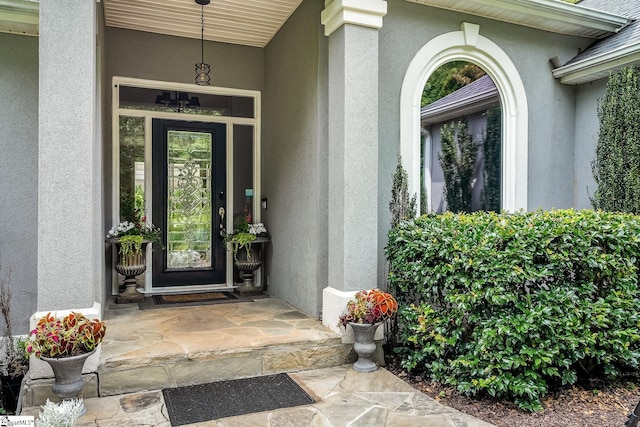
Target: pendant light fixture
<point>182,101</point>
<point>202,69</point>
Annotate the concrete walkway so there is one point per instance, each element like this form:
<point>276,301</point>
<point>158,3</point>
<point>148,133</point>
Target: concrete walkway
<point>343,397</point>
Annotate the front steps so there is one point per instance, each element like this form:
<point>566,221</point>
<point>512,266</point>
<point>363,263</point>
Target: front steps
<point>177,346</point>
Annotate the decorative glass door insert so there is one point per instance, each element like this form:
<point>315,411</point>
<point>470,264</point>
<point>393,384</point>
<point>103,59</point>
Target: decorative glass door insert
<point>189,199</point>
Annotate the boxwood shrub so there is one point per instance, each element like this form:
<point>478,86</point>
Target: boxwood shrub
<point>510,304</point>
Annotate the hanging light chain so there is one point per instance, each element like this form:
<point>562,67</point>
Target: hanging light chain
<point>202,69</point>
<point>202,33</point>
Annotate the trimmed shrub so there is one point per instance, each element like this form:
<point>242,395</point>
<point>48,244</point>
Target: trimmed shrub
<point>616,167</point>
<point>509,304</point>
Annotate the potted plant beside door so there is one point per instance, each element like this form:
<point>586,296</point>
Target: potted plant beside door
<point>245,245</point>
<point>131,239</point>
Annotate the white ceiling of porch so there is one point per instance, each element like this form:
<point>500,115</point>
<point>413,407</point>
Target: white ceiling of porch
<point>244,22</point>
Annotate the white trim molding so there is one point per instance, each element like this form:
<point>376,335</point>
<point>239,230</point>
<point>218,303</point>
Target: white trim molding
<point>366,13</point>
<point>549,15</point>
<point>598,67</point>
<point>454,46</point>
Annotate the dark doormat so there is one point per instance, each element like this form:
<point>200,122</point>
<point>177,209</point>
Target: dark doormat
<point>211,401</point>
<point>185,300</point>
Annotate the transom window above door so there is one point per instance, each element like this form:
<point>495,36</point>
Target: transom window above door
<point>185,101</point>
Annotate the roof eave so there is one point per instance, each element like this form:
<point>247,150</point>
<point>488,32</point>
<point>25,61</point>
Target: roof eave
<point>598,67</point>
<point>462,108</point>
<point>19,17</point>
<point>576,19</point>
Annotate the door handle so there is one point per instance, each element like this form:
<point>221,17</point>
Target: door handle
<point>221,213</point>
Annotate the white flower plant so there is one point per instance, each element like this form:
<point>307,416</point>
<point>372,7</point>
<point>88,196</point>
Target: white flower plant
<point>257,229</point>
<point>120,229</point>
<point>244,234</point>
<point>131,234</point>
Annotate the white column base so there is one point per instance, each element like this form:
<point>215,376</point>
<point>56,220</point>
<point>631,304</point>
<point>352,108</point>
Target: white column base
<point>334,304</point>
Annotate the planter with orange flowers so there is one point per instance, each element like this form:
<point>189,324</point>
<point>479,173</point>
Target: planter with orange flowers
<point>365,313</point>
<point>66,344</point>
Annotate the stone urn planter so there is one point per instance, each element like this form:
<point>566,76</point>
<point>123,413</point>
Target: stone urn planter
<point>131,238</point>
<point>364,345</point>
<point>368,310</point>
<point>67,371</point>
<point>130,265</point>
<point>247,262</point>
<point>66,343</point>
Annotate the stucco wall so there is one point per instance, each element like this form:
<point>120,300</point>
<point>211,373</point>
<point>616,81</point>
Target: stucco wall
<point>167,58</point>
<point>587,127</point>
<point>294,159</point>
<point>19,173</point>
<point>70,162</point>
<point>409,26</point>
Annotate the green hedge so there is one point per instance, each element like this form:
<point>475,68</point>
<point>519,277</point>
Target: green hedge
<point>509,304</point>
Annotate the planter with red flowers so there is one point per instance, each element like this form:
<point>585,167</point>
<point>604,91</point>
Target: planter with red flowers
<point>364,314</point>
<point>66,344</point>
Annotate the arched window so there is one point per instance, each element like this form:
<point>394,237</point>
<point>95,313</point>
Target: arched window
<point>468,45</point>
<point>461,113</point>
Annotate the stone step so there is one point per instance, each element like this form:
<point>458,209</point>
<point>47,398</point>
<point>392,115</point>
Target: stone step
<point>127,376</point>
<point>115,377</point>
<point>172,347</point>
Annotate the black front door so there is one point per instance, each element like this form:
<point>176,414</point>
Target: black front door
<point>189,202</point>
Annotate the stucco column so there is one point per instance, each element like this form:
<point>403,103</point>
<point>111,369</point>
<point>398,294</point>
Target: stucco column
<point>352,27</point>
<point>70,241</point>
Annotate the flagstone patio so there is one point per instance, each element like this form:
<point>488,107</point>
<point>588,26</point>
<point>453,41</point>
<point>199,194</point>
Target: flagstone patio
<point>343,397</point>
<point>145,351</point>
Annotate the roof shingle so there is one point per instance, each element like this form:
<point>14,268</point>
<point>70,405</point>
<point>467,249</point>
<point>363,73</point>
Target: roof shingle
<point>628,36</point>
